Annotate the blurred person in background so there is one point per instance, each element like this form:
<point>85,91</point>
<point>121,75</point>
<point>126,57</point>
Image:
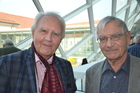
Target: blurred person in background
<point>135,48</point>
<point>8,47</point>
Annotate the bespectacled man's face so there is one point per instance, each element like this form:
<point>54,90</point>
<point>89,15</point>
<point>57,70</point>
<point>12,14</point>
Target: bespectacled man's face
<point>116,43</point>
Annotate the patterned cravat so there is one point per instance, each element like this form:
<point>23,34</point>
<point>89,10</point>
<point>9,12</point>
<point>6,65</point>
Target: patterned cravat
<point>51,82</point>
<point>51,85</point>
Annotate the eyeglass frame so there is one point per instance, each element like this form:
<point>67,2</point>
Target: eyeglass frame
<point>112,36</point>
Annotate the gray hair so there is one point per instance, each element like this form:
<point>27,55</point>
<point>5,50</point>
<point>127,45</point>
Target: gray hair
<point>137,38</point>
<point>107,19</point>
<point>7,42</point>
<point>55,14</point>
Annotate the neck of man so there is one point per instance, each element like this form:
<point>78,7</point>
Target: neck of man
<point>117,63</point>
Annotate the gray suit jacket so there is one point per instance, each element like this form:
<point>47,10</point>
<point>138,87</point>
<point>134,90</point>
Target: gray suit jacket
<point>93,77</point>
<point>17,73</point>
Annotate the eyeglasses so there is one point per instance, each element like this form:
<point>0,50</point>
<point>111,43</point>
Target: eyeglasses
<point>114,37</point>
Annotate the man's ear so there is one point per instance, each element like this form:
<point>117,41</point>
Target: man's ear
<point>33,34</point>
<point>128,37</point>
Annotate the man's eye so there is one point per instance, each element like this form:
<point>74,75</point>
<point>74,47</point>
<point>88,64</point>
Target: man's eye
<point>56,34</point>
<point>43,30</point>
<point>102,38</point>
<point>116,35</point>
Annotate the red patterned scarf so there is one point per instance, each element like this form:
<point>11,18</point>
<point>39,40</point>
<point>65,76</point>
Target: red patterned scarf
<point>51,82</point>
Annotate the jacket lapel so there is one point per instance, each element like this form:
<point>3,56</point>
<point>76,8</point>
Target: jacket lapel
<point>97,78</point>
<point>134,76</point>
<point>30,63</point>
<point>59,66</point>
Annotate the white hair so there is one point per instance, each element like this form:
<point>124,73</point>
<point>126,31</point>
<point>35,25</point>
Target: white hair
<point>7,42</point>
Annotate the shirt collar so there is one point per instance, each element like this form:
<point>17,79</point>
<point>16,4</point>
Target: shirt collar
<point>125,66</point>
<point>49,60</point>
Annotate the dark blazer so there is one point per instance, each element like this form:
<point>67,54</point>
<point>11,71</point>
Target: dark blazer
<point>93,77</point>
<point>134,50</point>
<point>17,73</point>
<point>8,49</point>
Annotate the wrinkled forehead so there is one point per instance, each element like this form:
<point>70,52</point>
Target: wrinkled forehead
<point>113,23</point>
<point>102,25</point>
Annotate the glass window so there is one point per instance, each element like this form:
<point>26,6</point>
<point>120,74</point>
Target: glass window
<point>76,30</point>
<point>102,9</point>
<point>120,4</point>
<point>133,6</point>
<point>61,6</point>
<point>122,15</point>
<point>85,50</point>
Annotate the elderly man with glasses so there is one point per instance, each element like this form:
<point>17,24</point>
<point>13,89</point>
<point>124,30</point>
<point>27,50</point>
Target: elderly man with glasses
<point>120,71</point>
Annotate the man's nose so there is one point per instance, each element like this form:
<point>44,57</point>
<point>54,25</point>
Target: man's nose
<point>109,42</point>
<point>48,37</point>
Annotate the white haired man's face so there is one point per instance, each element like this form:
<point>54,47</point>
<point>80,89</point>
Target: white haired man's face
<point>47,36</point>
